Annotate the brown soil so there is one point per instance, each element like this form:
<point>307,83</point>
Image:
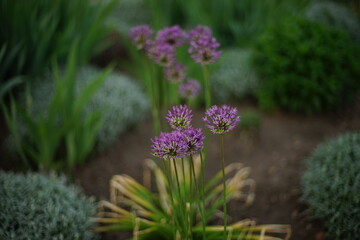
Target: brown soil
<point>276,154</point>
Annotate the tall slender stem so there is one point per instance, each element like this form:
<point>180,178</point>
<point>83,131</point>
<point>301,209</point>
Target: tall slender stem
<point>174,216</point>
<point>223,180</point>
<point>202,192</point>
<point>180,196</point>
<point>198,200</point>
<point>207,87</point>
<point>152,92</point>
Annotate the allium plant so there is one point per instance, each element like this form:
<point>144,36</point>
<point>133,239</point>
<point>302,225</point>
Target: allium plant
<point>190,89</point>
<point>183,204</point>
<point>140,35</point>
<point>162,50</point>
<point>175,73</point>
<point>221,119</point>
<point>162,53</point>
<point>173,36</point>
<point>179,117</point>
<point>204,50</point>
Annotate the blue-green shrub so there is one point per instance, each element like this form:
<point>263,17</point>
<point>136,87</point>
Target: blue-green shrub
<point>128,14</point>
<point>306,67</point>
<point>34,206</point>
<point>334,15</point>
<point>331,186</point>
<point>234,79</point>
<point>120,99</point>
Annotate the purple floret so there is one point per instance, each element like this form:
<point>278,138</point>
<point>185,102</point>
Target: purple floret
<point>140,35</point>
<point>190,89</point>
<point>194,138</point>
<point>169,145</point>
<point>198,32</point>
<point>173,36</point>
<point>175,73</point>
<point>179,117</point>
<point>221,119</point>
<point>162,54</point>
<point>203,46</point>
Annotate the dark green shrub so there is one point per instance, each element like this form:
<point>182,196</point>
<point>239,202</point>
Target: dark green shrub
<point>33,32</point>
<point>331,186</point>
<point>306,66</point>
<point>34,207</point>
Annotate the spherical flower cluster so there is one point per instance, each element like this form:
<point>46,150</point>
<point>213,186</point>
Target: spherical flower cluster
<point>162,54</point>
<point>194,139</point>
<point>221,119</point>
<point>140,35</point>
<point>179,117</point>
<point>183,141</point>
<point>203,46</point>
<point>190,89</point>
<point>169,145</point>
<point>173,36</point>
<point>175,73</point>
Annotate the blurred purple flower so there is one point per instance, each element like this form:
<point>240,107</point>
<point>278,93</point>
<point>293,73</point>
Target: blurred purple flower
<point>198,32</point>
<point>174,36</point>
<point>194,138</point>
<point>175,73</point>
<point>162,54</point>
<point>203,46</point>
<point>190,89</point>
<point>179,117</point>
<point>140,35</point>
<point>221,119</point>
<point>169,145</point>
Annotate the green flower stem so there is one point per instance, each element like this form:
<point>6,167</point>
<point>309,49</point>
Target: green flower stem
<point>152,93</point>
<point>183,207</point>
<point>198,200</point>
<point>224,181</point>
<point>190,200</point>
<point>207,87</point>
<point>174,216</point>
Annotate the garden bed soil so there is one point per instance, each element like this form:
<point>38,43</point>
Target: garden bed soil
<point>276,153</point>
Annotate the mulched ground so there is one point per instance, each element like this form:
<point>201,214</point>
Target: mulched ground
<point>276,154</point>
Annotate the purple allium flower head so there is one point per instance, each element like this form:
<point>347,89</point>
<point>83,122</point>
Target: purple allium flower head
<point>194,139</point>
<point>203,46</point>
<point>175,73</point>
<point>169,145</point>
<point>162,54</point>
<point>179,117</point>
<point>190,89</point>
<point>140,35</point>
<point>198,32</point>
<point>173,36</point>
<point>221,119</point>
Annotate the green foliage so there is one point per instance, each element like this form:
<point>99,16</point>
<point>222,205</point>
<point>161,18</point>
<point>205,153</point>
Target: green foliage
<point>34,206</point>
<point>334,15</point>
<point>234,79</point>
<point>61,136</point>
<point>306,67</point>
<point>153,218</point>
<point>331,186</point>
<point>120,100</point>
<point>36,31</point>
